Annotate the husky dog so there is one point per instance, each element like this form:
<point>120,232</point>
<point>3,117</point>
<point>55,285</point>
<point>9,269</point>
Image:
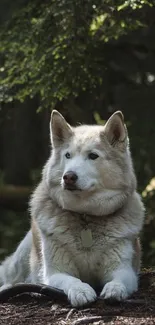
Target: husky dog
<point>86,216</point>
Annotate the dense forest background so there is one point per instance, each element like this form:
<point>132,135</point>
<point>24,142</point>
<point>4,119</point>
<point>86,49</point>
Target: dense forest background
<point>87,59</point>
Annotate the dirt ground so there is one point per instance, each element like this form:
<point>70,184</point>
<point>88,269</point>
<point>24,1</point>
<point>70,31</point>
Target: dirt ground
<point>33,309</point>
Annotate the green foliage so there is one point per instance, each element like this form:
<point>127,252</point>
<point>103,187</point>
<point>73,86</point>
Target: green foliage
<point>55,49</point>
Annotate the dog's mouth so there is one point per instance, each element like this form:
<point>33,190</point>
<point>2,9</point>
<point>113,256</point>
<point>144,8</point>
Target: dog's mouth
<point>70,187</point>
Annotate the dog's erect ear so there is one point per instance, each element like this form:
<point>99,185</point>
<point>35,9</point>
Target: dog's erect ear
<point>116,130</point>
<point>60,130</point>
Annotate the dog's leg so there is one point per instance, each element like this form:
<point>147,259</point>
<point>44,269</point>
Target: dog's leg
<point>15,268</point>
<point>60,271</point>
<point>121,276</point>
<point>78,293</point>
<point>123,282</point>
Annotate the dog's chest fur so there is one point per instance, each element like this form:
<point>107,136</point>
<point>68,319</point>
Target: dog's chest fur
<point>69,251</point>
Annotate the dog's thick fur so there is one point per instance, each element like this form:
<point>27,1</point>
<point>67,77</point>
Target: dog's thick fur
<point>87,235</point>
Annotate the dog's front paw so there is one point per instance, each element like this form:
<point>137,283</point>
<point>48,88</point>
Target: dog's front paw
<point>114,291</point>
<point>81,294</point>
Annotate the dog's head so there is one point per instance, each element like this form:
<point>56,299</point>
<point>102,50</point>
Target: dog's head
<point>90,169</point>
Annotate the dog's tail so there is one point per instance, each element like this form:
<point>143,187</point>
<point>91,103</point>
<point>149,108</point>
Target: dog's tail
<point>15,268</point>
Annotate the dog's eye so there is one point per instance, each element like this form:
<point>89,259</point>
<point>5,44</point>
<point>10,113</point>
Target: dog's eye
<point>93,156</point>
<point>67,155</point>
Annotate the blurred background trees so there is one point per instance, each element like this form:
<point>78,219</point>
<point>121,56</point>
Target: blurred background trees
<point>87,59</point>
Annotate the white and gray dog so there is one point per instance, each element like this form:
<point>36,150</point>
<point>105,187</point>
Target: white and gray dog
<point>86,216</point>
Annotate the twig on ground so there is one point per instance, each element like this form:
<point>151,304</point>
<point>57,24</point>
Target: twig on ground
<point>87,320</point>
<point>70,313</point>
<point>136,301</point>
<point>20,288</point>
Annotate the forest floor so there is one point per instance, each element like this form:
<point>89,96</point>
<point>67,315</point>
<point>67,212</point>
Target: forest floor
<point>35,309</point>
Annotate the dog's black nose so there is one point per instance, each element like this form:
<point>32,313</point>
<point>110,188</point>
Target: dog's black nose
<point>70,178</point>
